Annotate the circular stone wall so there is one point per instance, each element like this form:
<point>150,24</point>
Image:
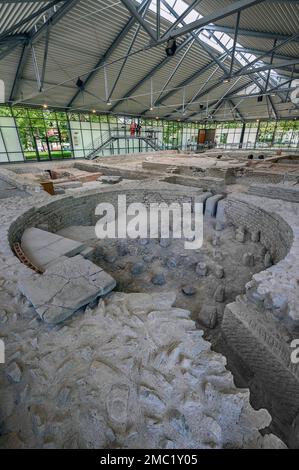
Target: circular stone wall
<point>276,234</point>
<point>80,210</point>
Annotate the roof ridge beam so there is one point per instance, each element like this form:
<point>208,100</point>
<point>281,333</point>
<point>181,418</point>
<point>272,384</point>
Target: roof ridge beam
<point>248,32</point>
<point>211,18</point>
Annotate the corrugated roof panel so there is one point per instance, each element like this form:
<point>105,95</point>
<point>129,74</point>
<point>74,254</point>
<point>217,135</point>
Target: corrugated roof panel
<point>86,33</point>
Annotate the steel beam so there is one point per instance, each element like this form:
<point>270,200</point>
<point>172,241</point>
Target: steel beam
<point>219,102</point>
<point>55,18</point>
<point>29,18</point>
<point>158,14</point>
<point>35,67</point>
<point>255,80</point>
<point>271,62</point>
<point>247,50</point>
<point>14,38</point>
<point>235,107</point>
<point>277,46</point>
<point>205,47</point>
<point>264,68</point>
<point>174,71</point>
<point>229,10</point>
<point>151,73</point>
<point>20,68</point>
<point>235,42</point>
<point>135,13</point>
<point>244,71</point>
<point>228,96</point>
<point>195,36</point>
<point>128,52</point>
<point>33,36</point>
<point>250,33</point>
<point>181,17</point>
<point>45,59</point>
<point>273,107</point>
<point>7,45</point>
<point>119,38</point>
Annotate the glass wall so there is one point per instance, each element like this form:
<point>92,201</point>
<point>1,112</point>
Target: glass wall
<point>228,134</point>
<point>10,146</point>
<point>258,134</point>
<point>44,134</point>
<point>34,134</point>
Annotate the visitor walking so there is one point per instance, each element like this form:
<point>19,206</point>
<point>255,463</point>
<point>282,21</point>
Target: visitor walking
<point>133,128</point>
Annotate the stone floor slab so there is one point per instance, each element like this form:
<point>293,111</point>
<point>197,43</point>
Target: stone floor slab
<point>43,247</point>
<point>65,287</point>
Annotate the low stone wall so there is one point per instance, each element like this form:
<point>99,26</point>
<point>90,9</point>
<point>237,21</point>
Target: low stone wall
<point>228,174</point>
<point>259,178</point>
<point>132,157</point>
<point>19,182</point>
<point>207,183</point>
<point>114,171</point>
<point>284,192</point>
<point>256,177</point>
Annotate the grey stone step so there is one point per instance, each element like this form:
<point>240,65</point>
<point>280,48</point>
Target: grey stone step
<point>42,247</point>
<point>64,287</point>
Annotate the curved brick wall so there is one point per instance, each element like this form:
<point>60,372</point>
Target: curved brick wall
<point>80,210</point>
<point>276,234</point>
<point>260,325</point>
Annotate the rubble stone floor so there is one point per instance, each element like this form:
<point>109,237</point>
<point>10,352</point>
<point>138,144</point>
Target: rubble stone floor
<point>153,266</point>
<point>130,372</point>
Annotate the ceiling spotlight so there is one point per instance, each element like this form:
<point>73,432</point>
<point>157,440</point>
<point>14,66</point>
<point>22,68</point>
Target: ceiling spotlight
<point>157,117</point>
<point>94,111</point>
<point>226,80</point>
<point>151,108</point>
<point>80,84</point>
<point>45,106</point>
<point>171,47</point>
<point>109,103</point>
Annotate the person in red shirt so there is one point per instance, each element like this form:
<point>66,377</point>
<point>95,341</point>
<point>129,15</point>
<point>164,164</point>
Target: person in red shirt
<point>132,128</point>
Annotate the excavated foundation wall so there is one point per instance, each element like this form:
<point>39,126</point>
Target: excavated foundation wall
<point>80,210</point>
<point>260,326</point>
<point>275,234</point>
<point>208,183</point>
<point>284,192</point>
